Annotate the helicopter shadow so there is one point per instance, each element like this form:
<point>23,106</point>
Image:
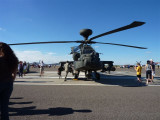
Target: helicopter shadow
<point>58,111</point>
<point>29,109</point>
<point>121,80</point>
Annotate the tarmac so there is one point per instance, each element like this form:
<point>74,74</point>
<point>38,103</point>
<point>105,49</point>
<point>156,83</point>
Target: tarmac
<point>116,96</point>
<point>121,77</point>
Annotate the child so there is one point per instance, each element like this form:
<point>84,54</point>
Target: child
<point>138,69</point>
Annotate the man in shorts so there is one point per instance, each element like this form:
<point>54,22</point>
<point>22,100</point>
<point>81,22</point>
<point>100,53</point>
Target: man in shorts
<point>153,68</point>
<point>41,65</point>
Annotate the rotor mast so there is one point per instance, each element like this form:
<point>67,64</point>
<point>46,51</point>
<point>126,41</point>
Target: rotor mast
<point>86,33</point>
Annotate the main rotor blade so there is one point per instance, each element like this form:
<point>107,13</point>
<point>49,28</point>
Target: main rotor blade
<point>46,42</point>
<point>121,45</point>
<point>132,25</point>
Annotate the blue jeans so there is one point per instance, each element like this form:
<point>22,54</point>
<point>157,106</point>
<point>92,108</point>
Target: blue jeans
<point>6,89</point>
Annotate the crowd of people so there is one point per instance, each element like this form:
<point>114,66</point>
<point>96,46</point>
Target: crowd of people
<point>23,68</point>
<point>150,71</point>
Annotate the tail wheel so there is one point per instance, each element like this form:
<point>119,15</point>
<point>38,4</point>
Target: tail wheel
<point>97,76</point>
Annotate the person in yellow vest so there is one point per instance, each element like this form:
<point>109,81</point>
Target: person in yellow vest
<point>138,69</point>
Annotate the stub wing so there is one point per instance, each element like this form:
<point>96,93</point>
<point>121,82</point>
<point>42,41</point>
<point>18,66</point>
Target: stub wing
<point>107,62</point>
<point>64,62</point>
<point>109,67</point>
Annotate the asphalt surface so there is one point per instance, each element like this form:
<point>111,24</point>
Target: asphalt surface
<point>117,96</point>
<point>84,103</point>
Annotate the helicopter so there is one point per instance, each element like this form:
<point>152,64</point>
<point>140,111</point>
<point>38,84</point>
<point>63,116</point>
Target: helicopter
<point>85,58</point>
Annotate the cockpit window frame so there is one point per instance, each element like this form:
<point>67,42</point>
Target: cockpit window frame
<point>89,48</point>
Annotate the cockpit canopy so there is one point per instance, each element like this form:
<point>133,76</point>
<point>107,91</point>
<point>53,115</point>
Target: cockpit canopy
<point>84,50</point>
<point>75,49</point>
<point>87,50</point>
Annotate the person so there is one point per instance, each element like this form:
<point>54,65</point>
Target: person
<point>8,70</point>
<point>28,67</point>
<point>24,68</point>
<point>20,69</point>
<point>148,69</point>
<point>138,70</point>
<point>41,65</point>
<point>60,69</point>
<point>128,66</point>
<point>153,68</point>
<point>66,67</point>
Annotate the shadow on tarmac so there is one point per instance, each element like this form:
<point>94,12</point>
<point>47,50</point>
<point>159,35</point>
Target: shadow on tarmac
<point>33,72</point>
<point>58,111</point>
<point>158,78</point>
<point>51,111</point>
<point>121,80</point>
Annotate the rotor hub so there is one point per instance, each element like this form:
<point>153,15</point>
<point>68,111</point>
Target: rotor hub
<point>86,33</point>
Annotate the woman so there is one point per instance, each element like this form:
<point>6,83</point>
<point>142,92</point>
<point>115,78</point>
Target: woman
<point>20,69</point>
<point>8,69</point>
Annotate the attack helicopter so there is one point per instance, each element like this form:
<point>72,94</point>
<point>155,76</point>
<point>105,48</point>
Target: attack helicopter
<point>85,58</point>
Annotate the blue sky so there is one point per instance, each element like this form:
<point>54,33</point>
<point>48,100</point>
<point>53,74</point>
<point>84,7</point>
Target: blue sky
<point>61,20</point>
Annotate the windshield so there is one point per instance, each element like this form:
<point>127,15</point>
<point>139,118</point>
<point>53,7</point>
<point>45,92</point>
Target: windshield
<point>75,49</point>
<point>87,51</point>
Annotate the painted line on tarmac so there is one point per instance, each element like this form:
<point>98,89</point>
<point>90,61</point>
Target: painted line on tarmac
<point>153,85</point>
<point>45,77</point>
<point>62,84</point>
<point>37,77</point>
<point>78,84</point>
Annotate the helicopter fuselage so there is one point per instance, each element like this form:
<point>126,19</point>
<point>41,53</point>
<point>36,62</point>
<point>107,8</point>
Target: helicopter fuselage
<point>86,59</point>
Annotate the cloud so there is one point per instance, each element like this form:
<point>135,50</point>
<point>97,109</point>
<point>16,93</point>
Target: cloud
<point>50,53</point>
<point>2,29</point>
<point>148,52</point>
<point>35,56</point>
<point>96,46</point>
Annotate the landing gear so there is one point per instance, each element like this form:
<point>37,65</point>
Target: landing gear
<point>97,75</point>
<point>92,75</point>
<point>88,74</point>
<point>76,74</point>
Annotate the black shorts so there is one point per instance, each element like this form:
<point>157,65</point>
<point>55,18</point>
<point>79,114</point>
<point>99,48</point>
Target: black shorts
<point>139,76</point>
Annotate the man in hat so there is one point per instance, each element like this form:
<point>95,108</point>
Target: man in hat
<point>66,67</point>
<point>153,67</point>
